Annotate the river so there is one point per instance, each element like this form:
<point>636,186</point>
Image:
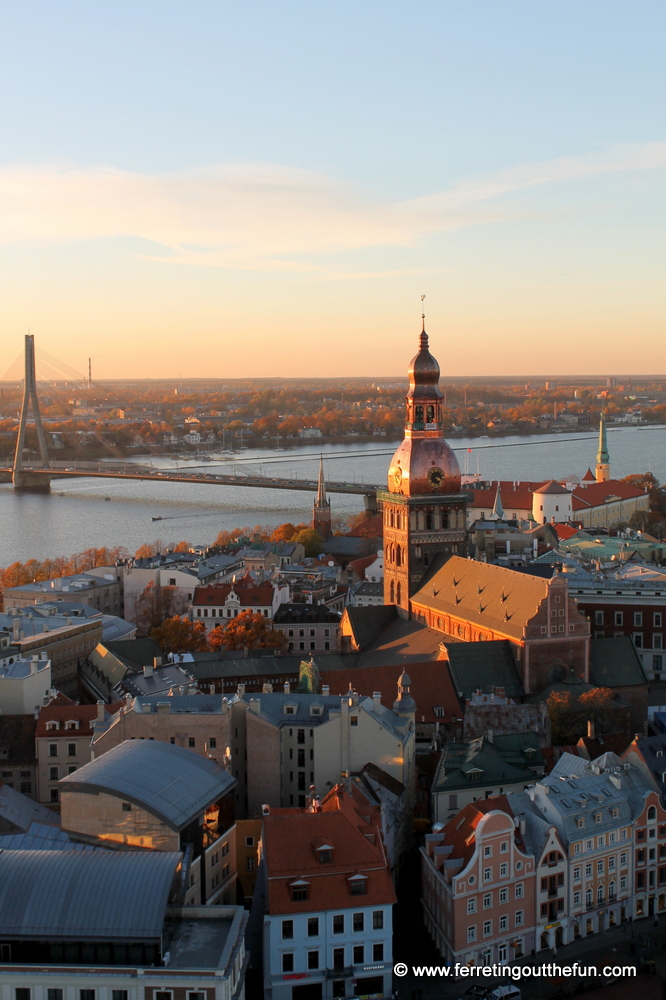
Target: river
<point>76,515</point>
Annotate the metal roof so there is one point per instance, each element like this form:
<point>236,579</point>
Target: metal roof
<point>171,782</point>
<point>96,895</point>
<point>42,838</point>
<point>19,811</point>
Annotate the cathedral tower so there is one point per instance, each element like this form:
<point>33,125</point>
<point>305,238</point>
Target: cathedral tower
<point>321,509</point>
<point>424,511</point>
<point>602,469</point>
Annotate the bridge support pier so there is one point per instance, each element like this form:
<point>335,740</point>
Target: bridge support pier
<point>31,482</point>
<point>370,502</point>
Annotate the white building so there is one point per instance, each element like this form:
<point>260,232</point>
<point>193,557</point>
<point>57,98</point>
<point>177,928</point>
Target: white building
<point>328,901</point>
<point>24,684</point>
<point>551,503</point>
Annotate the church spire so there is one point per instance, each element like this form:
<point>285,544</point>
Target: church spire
<point>602,469</point>
<point>321,512</point>
<point>498,510</point>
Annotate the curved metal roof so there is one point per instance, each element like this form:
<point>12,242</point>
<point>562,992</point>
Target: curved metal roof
<point>171,782</point>
<point>92,895</point>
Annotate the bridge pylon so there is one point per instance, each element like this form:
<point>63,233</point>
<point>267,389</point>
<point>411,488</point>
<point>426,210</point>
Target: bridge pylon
<point>24,478</point>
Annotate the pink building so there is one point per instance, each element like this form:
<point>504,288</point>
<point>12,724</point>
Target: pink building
<point>478,889</point>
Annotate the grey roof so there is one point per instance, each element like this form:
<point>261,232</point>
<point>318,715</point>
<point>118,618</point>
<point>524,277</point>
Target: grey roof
<point>306,614</point>
<point>368,623</point>
<point>615,663</point>
<point>42,838</point>
<point>162,679</point>
<point>478,666</point>
<point>116,628</point>
<point>85,895</point>
<point>19,811</point>
<point>208,666</point>
<point>181,704</point>
<point>537,827</point>
<point>272,708</point>
<point>134,653</point>
<point>171,782</point>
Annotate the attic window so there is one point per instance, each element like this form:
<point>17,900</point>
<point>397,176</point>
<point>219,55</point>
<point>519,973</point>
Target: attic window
<point>52,725</point>
<point>315,710</point>
<point>325,855</point>
<point>72,724</point>
<point>290,710</point>
<point>299,890</point>
<point>358,885</point>
<point>439,712</point>
<point>660,753</point>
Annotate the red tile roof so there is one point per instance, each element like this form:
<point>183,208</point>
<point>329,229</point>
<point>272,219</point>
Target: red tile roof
<point>360,565</point>
<point>249,594</point>
<point>290,838</point>
<point>431,686</point>
<point>460,832</point>
<point>563,531</point>
<point>56,711</point>
<point>512,500</point>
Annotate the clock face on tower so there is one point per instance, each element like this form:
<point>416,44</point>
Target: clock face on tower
<point>397,476</point>
<point>435,478</point>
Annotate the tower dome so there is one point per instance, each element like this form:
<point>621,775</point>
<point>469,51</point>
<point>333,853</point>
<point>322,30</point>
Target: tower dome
<point>423,463</point>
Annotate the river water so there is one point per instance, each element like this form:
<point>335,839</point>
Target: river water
<point>76,515</point>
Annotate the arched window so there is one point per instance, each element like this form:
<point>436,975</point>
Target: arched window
<point>392,519</point>
<point>397,595</point>
<point>398,520</point>
<point>431,414</point>
<point>418,415</point>
<point>428,522</point>
<point>426,559</point>
<point>397,556</point>
<point>392,592</point>
<point>652,813</point>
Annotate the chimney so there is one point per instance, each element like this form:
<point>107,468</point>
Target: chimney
<point>490,735</point>
<point>211,689</point>
<point>267,688</point>
<point>265,810</point>
<point>376,700</point>
<point>100,710</point>
<point>325,690</point>
<point>240,691</point>
<point>157,661</point>
<point>163,707</point>
<point>590,728</point>
<point>287,687</point>
<point>148,670</point>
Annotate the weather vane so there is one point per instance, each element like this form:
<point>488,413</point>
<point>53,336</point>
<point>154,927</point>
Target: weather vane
<point>423,312</point>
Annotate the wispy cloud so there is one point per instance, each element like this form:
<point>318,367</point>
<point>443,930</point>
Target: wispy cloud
<point>263,216</point>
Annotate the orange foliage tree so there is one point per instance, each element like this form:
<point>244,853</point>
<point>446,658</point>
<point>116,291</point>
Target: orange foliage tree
<point>180,635</point>
<point>248,630</point>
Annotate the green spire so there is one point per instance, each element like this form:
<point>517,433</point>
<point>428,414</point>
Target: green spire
<point>602,455</point>
<point>498,510</point>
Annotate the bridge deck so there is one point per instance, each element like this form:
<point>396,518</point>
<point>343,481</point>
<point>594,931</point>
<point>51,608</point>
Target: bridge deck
<point>258,482</point>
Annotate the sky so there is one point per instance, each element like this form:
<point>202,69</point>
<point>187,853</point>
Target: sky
<point>234,189</point>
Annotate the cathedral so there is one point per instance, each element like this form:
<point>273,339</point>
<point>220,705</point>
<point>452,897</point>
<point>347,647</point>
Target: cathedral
<point>424,510</point>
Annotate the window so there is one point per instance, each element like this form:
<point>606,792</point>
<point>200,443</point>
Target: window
<point>503,870</point>
<point>619,618</point>
<point>339,959</point>
<point>378,920</point>
<point>313,960</point>
<point>23,993</point>
<point>250,864</point>
<point>471,934</point>
<point>191,741</point>
<point>487,874</point>
<point>353,720</point>
<point>487,928</point>
<point>127,807</point>
<point>359,954</point>
<point>519,890</point>
<point>54,795</point>
<point>503,896</point>
<point>378,952</point>
<point>576,848</point>
<point>623,859</point>
<point>471,905</point>
<point>212,742</point>
<point>122,995</point>
<point>54,994</point>
<point>611,864</point>
<point>71,749</point>
<point>357,887</point>
<point>299,893</point>
<point>589,845</point>
<point>504,922</point>
<point>358,922</point>
<point>656,619</point>
<point>487,900</point>
<point>249,841</point>
<point>86,995</point>
<point>488,851</point>
<point>600,867</point>
<point>576,898</point>
<point>598,617</point>
<point>638,640</point>
<point>53,752</point>
<point>26,788</point>
<point>53,774</point>
<point>288,961</point>
<point>588,871</point>
<point>576,874</point>
<point>71,768</point>
<point>519,918</point>
<point>638,618</point>
<point>504,847</point>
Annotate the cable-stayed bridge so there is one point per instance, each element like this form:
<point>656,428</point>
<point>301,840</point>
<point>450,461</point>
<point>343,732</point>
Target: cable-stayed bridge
<point>28,474</point>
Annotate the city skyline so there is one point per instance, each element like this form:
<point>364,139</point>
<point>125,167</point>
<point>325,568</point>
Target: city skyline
<point>236,193</point>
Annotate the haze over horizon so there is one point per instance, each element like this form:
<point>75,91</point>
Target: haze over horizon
<point>267,191</point>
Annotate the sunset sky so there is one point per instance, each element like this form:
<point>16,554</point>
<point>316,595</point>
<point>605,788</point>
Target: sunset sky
<point>233,189</point>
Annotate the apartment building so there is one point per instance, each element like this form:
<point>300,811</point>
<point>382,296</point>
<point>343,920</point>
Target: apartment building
<point>24,684</point>
<point>478,886</point>
<point>328,898</point>
<point>101,592</point>
<point>216,604</point>
<point>308,627</point>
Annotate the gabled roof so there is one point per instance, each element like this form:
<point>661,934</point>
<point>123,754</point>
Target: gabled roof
<point>615,663</point>
<point>480,666</point>
<point>171,782</point>
<point>85,715</point>
<point>589,477</point>
<point>134,653</point>
<point>553,488</point>
<point>459,834</point>
<point>366,624</point>
<point>431,686</point>
<point>249,594</point>
<point>290,838</point>
<point>484,594</point>
<point>85,895</point>
<point>493,764</point>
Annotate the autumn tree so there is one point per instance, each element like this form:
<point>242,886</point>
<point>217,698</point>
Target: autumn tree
<point>248,630</point>
<point>180,635</point>
<point>599,706</point>
<point>155,604</point>
<point>561,712</point>
<point>283,533</point>
<point>311,541</point>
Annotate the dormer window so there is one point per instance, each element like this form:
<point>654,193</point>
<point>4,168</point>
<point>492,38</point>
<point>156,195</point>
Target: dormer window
<point>358,885</point>
<point>325,854</point>
<point>290,710</point>
<point>299,890</point>
<point>315,710</point>
<point>71,724</point>
<point>53,725</point>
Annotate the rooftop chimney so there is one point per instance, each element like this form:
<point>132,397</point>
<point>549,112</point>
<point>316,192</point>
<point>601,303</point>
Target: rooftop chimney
<point>287,687</point>
<point>148,670</point>
<point>157,661</point>
<point>100,710</point>
<point>590,728</point>
<point>267,688</point>
<point>376,699</point>
<point>325,690</point>
<point>241,690</point>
